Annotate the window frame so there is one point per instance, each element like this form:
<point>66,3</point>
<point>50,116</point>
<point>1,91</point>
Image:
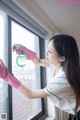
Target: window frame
<point>43,113</point>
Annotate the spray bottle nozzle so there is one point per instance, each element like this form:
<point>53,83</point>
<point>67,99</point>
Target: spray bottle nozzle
<point>19,50</point>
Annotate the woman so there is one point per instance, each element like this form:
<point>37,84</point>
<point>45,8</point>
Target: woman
<point>64,87</point>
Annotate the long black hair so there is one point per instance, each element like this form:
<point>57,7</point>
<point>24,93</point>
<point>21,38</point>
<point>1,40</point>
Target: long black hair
<point>66,46</point>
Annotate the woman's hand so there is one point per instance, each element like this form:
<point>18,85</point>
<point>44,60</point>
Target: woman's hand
<point>22,49</point>
<point>3,70</point>
<point>6,76</point>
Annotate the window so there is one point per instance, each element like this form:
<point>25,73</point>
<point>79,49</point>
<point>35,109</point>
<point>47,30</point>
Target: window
<point>11,101</point>
<point>2,24</point>
<point>27,72</point>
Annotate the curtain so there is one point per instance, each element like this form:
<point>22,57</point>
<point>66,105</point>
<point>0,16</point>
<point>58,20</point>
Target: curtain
<point>60,115</point>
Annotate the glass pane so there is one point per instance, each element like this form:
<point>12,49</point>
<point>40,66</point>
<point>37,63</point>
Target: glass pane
<point>1,57</point>
<point>27,72</point>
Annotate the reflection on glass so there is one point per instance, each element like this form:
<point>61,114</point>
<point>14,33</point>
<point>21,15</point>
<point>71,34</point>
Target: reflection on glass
<point>26,71</point>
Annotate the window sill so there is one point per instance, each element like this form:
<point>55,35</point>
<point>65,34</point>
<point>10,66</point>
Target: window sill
<point>49,118</point>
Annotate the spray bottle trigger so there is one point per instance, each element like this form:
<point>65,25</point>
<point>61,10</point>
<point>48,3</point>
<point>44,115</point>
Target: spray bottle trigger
<point>21,52</point>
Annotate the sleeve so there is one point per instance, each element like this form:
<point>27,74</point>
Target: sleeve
<point>57,89</point>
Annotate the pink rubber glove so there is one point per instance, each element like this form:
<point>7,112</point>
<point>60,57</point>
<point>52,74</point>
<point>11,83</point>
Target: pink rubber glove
<point>20,48</point>
<point>10,79</point>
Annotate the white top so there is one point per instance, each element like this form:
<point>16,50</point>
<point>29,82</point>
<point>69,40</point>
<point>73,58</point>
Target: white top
<point>61,93</point>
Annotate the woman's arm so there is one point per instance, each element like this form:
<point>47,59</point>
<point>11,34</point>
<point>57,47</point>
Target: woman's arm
<point>14,82</point>
<point>30,55</point>
<point>32,94</point>
<point>41,62</point>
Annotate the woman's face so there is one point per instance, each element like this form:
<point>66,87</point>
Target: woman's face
<point>52,56</point>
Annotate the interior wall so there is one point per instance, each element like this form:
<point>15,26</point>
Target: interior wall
<point>50,105</point>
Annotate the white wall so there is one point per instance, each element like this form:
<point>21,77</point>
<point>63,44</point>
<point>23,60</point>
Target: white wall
<point>50,105</point>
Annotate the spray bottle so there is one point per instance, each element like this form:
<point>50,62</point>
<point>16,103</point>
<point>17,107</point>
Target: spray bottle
<point>21,59</point>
